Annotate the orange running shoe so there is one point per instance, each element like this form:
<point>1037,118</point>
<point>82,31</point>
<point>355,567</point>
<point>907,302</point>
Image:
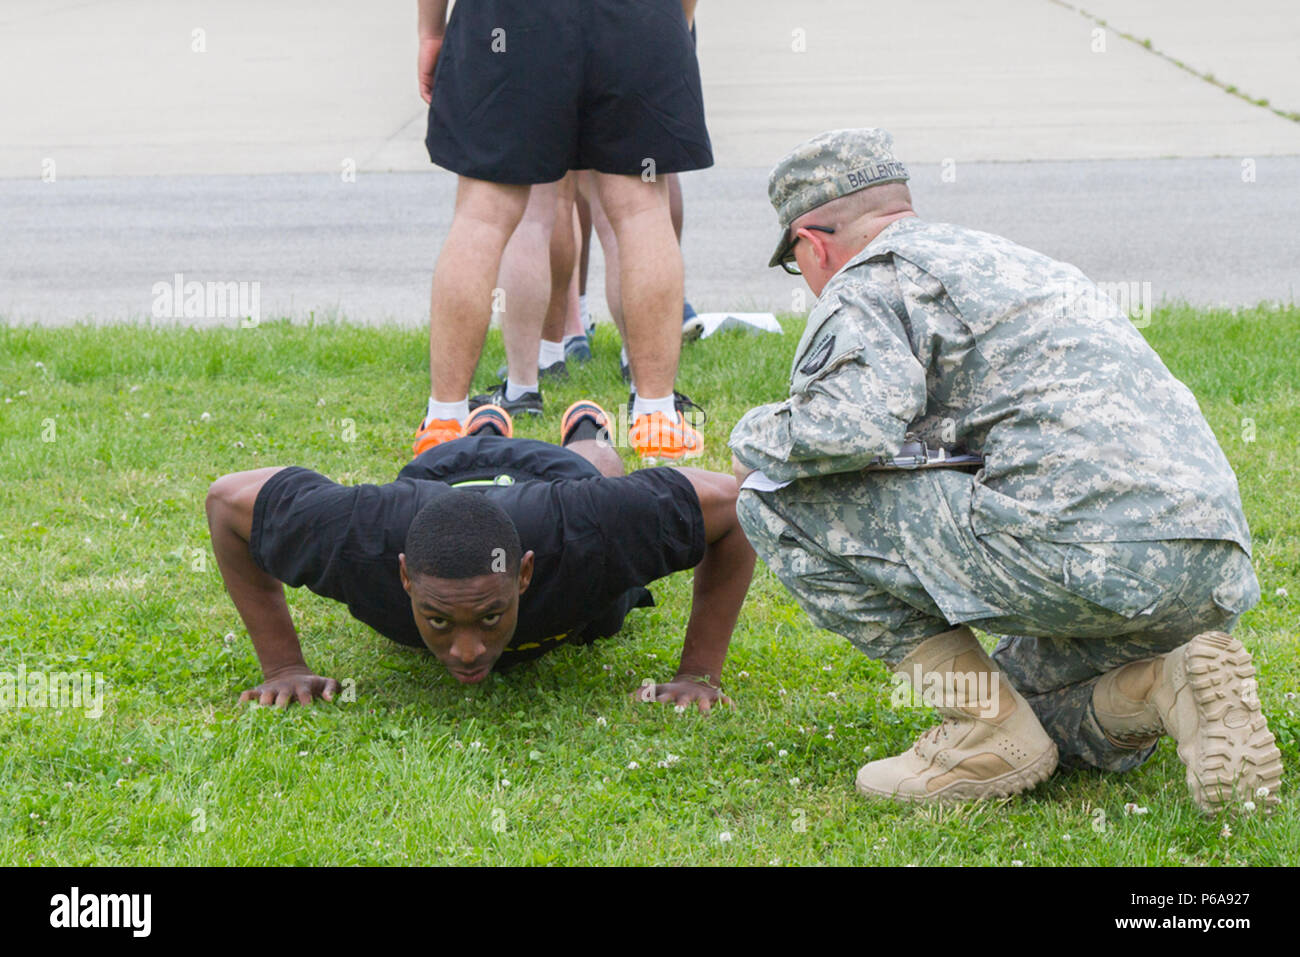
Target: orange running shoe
<point>655,436</point>
<point>490,416</point>
<point>582,409</point>
<point>435,432</point>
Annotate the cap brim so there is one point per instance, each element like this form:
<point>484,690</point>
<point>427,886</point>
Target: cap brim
<point>782,248</point>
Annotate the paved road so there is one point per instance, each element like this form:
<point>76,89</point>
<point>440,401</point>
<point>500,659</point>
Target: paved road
<point>94,248</point>
<point>225,164</point>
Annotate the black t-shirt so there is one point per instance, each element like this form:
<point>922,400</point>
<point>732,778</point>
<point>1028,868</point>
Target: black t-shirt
<point>597,541</point>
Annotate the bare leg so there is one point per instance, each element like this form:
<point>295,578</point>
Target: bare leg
<point>599,454</point>
<point>609,245</point>
<point>460,306</point>
<point>650,273</point>
<point>563,256</point>
<point>584,225</point>
<point>572,314</point>
<point>675,204</point>
<point>525,280</point>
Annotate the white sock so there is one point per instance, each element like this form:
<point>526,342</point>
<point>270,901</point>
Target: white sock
<point>643,406</point>
<point>576,335</point>
<point>549,353</point>
<point>447,410</point>
<point>516,392</point>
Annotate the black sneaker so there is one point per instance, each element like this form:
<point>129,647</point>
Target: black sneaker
<point>683,404</point>
<point>530,403</point>
<point>577,349</point>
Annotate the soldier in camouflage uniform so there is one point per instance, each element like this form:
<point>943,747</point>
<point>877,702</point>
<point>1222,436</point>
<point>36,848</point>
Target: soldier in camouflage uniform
<point>1102,533</point>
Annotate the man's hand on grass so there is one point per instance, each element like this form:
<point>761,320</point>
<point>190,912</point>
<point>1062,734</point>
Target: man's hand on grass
<point>684,691</point>
<point>298,684</point>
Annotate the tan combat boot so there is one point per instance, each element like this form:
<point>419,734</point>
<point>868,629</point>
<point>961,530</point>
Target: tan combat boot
<point>1203,694</point>
<point>989,745</point>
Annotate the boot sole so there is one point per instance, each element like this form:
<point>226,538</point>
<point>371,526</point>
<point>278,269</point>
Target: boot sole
<point>962,792</point>
<point>1233,753</point>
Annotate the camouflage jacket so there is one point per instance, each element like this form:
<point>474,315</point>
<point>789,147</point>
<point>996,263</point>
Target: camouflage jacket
<point>965,338</point>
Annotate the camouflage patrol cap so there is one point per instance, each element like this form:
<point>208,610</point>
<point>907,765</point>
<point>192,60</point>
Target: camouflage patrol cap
<point>826,167</point>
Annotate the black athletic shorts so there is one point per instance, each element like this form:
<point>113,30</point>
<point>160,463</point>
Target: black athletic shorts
<point>526,90</point>
<point>596,541</point>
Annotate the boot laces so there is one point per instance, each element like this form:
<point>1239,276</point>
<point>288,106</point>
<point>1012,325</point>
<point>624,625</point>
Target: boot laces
<point>933,734</point>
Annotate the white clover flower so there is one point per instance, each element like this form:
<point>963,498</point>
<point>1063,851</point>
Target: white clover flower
<point>744,674</point>
<point>505,783</point>
<point>670,759</point>
<point>794,782</point>
<point>632,765</point>
<point>1226,832</point>
<point>600,721</point>
<point>725,837</point>
<point>1248,807</point>
<point>205,417</point>
<point>831,694</point>
<point>40,364</point>
<point>826,667</point>
<point>320,402</point>
<point>134,388</point>
<point>1261,792</point>
<point>781,692</point>
<point>475,745</point>
<point>1281,593</point>
<point>771,744</point>
<point>679,708</point>
<point>302,754</point>
<point>1066,837</point>
<point>782,753</point>
<point>1017,863</point>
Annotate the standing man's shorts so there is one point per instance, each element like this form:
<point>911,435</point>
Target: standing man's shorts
<point>526,90</point>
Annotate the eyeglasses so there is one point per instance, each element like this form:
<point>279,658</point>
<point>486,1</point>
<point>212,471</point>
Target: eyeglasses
<point>788,262</point>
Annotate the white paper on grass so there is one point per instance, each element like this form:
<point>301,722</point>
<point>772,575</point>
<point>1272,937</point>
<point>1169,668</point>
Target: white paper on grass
<point>711,322</point>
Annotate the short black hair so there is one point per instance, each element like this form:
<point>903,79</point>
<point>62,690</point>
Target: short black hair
<point>462,534</point>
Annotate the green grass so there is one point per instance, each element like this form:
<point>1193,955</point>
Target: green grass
<point>105,566</point>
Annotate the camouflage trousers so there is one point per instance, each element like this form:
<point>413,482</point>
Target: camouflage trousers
<point>888,559</point>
